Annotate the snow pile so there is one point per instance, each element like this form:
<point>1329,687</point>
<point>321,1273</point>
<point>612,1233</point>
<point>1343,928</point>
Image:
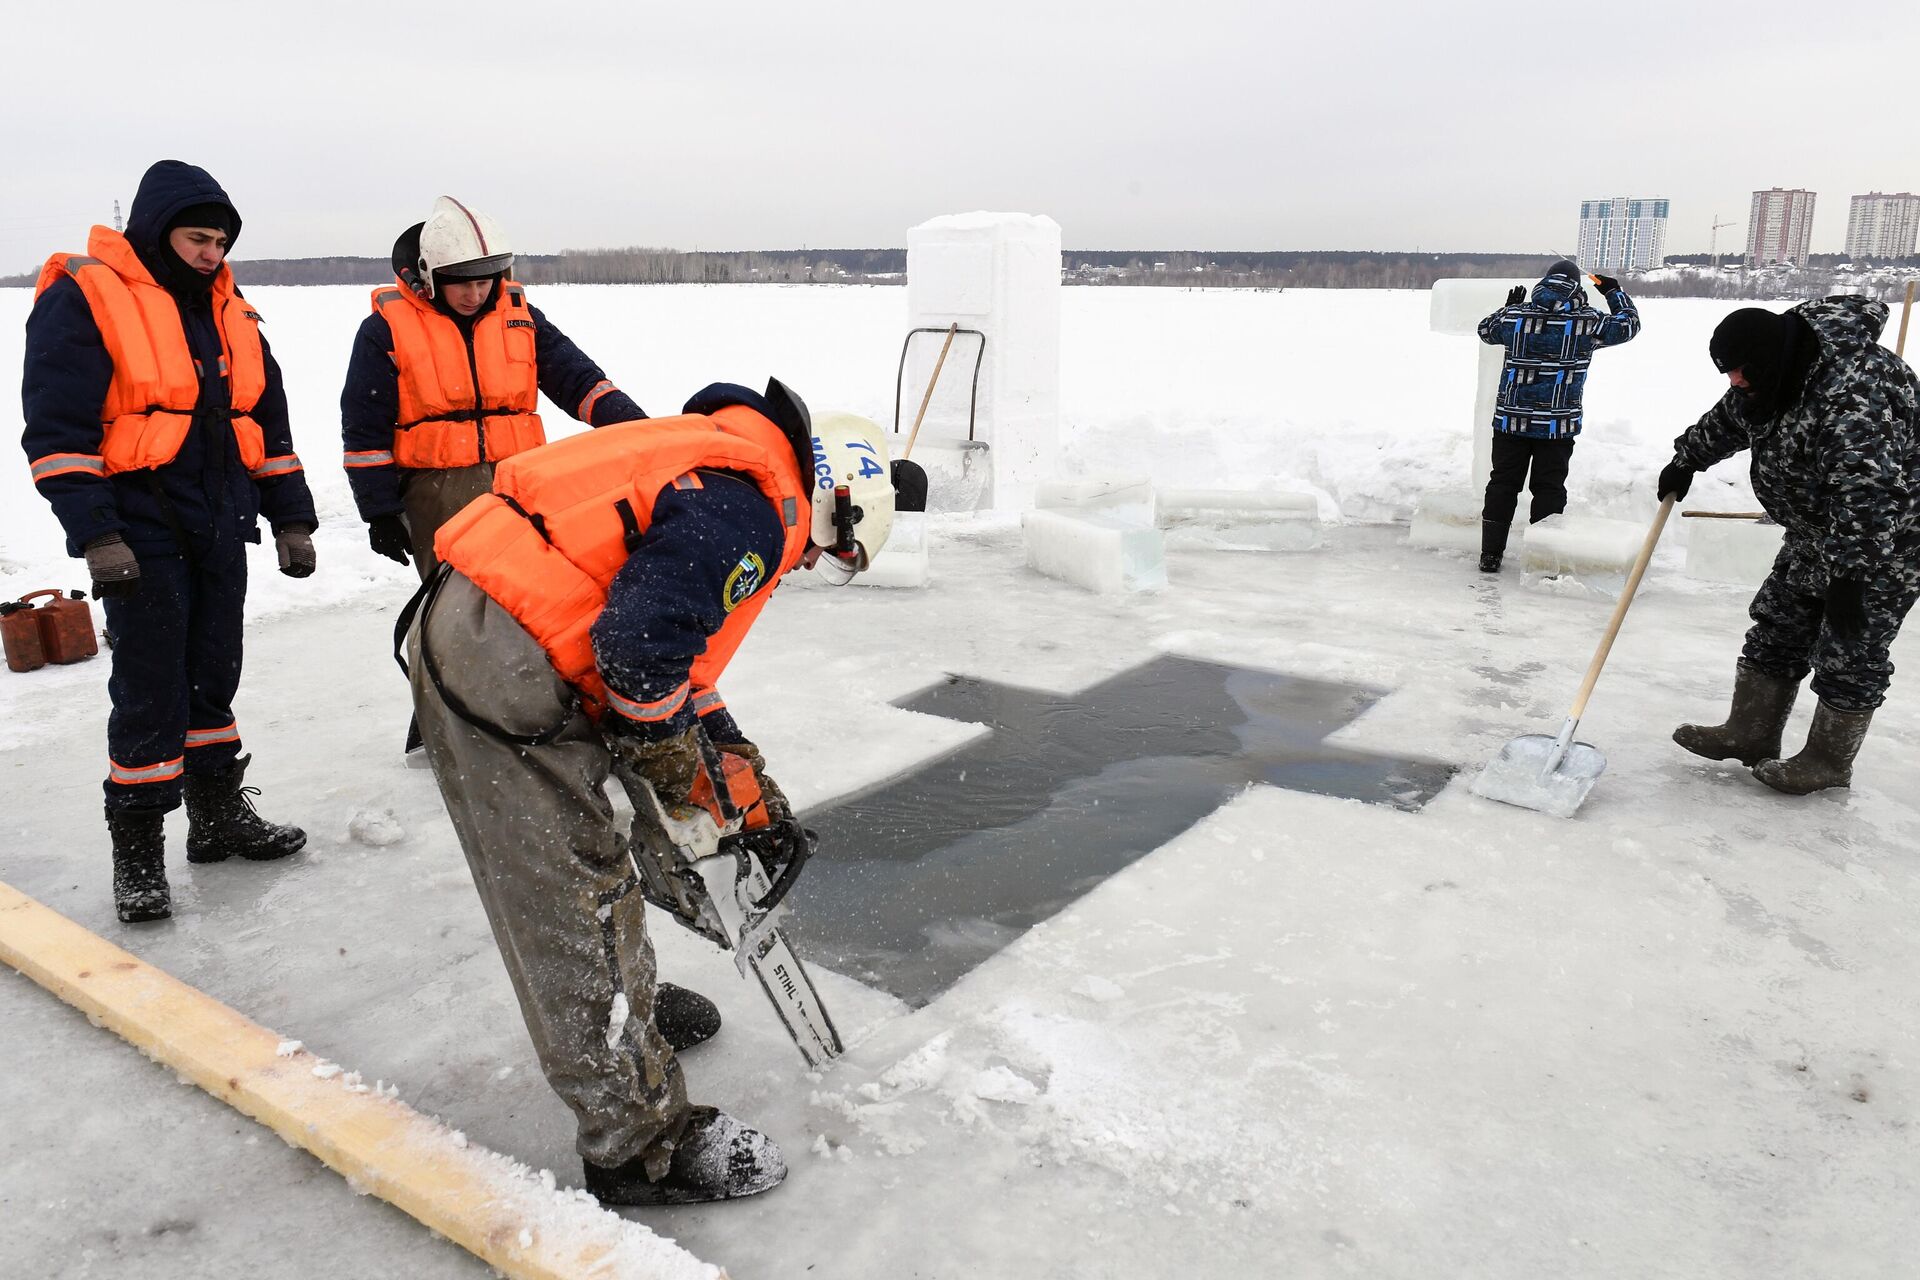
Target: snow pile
<point>376,828</point>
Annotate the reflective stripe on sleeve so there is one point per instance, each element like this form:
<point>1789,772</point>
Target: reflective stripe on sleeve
<point>284,465</point>
<point>369,458</point>
<point>708,700</point>
<point>649,712</point>
<point>688,481</point>
<point>132,775</point>
<point>592,397</point>
<point>229,732</point>
<point>61,464</point>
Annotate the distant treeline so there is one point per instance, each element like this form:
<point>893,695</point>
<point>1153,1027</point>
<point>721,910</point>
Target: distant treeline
<point>1319,269</point>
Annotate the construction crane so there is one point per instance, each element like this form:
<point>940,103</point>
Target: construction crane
<point>1713,243</point>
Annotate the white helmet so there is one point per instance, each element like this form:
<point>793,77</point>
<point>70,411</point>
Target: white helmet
<point>852,490</point>
<point>461,244</point>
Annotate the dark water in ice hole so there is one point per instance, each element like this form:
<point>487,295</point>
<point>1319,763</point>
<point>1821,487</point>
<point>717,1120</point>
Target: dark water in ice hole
<point>923,878</point>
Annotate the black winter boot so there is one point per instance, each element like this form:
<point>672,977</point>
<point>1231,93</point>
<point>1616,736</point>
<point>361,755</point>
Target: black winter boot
<point>140,865</point>
<point>221,820</point>
<point>1826,760</point>
<point>1752,732</point>
<point>717,1158</point>
<point>685,1018</point>
<point>1493,544</point>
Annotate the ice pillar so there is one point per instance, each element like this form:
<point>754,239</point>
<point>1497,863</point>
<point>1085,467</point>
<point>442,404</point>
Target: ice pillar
<point>1457,307</point>
<point>999,274</point>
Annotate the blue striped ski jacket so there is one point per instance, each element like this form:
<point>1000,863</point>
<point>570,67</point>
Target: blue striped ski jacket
<point>1550,341</point>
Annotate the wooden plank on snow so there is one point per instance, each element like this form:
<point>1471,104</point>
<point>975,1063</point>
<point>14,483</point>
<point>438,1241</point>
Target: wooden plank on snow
<point>502,1212</point>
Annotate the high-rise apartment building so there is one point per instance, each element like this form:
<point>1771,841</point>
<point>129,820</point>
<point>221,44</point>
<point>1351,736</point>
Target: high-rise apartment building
<point>1622,234</point>
<point>1883,226</point>
<point>1779,226</point>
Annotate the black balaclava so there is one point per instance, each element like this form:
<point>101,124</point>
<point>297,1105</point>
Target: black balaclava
<point>176,194</point>
<point>1773,352</point>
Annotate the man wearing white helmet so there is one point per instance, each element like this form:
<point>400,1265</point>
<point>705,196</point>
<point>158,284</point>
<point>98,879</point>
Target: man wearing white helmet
<point>584,611</point>
<point>445,380</point>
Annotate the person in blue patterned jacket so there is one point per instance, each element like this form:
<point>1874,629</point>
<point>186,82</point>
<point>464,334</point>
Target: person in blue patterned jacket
<point>1550,339</point>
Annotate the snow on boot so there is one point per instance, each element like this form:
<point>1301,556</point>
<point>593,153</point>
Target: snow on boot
<point>140,865</point>
<point>1493,545</point>
<point>221,820</point>
<point>685,1018</point>
<point>1754,724</point>
<point>1826,760</point>
<point>717,1158</point>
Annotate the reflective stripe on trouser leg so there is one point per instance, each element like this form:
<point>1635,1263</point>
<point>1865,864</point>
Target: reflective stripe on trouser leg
<point>550,862</point>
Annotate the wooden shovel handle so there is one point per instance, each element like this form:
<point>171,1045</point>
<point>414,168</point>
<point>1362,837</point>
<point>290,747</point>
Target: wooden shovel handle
<point>1620,610</point>
<point>928,397</point>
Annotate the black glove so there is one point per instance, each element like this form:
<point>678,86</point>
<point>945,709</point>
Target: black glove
<point>1675,478</point>
<point>1516,295</point>
<point>295,545</point>
<point>1847,607</point>
<point>113,566</point>
<point>1606,284</point>
<point>388,536</point>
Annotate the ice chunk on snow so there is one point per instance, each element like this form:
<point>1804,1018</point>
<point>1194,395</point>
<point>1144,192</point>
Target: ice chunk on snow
<point>1581,544</point>
<point>327,1070</point>
<point>1095,550</point>
<point>1003,1084</point>
<point>287,1048</point>
<point>1449,521</point>
<point>1737,551</point>
<point>1095,987</point>
<point>376,827</point>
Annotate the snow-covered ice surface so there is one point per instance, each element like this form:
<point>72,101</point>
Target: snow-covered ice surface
<point>1673,1036</point>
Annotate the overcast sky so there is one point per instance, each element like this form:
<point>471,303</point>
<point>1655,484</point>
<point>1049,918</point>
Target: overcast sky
<point>1347,124</point>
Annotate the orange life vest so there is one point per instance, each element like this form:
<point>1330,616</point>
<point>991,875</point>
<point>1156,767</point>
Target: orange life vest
<point>156,380</point>
<point>562,520</point>
<point>461,404</point>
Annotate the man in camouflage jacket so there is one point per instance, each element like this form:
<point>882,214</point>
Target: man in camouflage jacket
<point>1833,420</point>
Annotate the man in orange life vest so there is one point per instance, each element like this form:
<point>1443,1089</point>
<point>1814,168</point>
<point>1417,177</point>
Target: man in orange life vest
<point>585,611</point>
<point>156,426</point>
<point>445,379</point>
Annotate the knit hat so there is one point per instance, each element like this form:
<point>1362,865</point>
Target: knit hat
<point>212,215</point>
<point>1568,271</point>
<point>1752,338</point>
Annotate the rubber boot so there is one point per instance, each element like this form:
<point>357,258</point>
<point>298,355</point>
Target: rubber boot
<point>716,1158</point>
<point>1826,760</point>
<point>1493,544</point>
<point>140,865</point>
<point>1752,732</point>
<point>221,820</point>
<point>685,1018</point>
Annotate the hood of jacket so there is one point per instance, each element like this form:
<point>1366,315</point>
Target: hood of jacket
<point>1559,294</point>
<point>167,188</point>
<point>1844,323</point>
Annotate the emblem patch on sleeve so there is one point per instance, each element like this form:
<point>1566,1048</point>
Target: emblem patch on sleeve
<point>745,579</point>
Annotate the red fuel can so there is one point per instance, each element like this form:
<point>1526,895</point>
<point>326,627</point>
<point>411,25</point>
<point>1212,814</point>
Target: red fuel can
<point>20,633</point>
<point>66,626</point>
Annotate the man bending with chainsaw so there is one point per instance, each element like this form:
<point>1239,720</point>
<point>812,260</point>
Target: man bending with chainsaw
<point>587,606</point>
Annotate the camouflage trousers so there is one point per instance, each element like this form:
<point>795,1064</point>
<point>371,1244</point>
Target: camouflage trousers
<point>550,861</point>
<point>1789,636</point>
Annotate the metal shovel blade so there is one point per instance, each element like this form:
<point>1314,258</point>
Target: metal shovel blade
<point>1526,774</point>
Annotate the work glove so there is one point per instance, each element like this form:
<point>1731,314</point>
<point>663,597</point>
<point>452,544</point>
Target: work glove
<point>1516,295</point>
<point>1847,607</point>
<point>668,764</point>
<point>113,567</point>
<point>778,810</point>
<point>388,536</point>
<point>1605,284</point>
<point>295,544</point>
<point>1675,478</point>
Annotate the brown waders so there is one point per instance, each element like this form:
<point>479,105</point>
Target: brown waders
<point>550,862</point>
